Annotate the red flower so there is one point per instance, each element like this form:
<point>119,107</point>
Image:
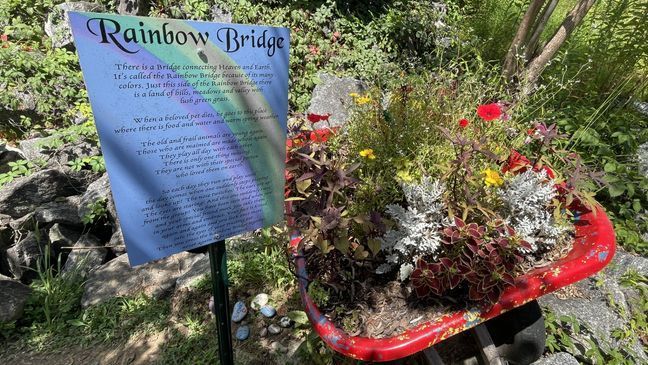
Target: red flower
<point>320,135</point>
<point>516,163</point>
<point>4,38</point>
<point>489,111</point>
<point>464,123</point>
<point>314,50</point>
<point>314,118</point>
<point>550,173</point>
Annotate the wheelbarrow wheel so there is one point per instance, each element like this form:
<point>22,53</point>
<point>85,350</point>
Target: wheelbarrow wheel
<point>519,334</point>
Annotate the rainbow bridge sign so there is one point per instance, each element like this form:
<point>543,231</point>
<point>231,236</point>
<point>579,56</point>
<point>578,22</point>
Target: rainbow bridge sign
<point>191,118</point>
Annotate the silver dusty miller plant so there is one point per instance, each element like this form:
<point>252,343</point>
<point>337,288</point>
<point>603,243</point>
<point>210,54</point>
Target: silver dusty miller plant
<point>526,199</point>
<point>419,227</point>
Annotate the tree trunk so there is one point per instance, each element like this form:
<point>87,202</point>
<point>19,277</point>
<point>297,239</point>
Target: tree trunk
<point>538,64</point>
<point>540,25</point>
<point>511,61</point>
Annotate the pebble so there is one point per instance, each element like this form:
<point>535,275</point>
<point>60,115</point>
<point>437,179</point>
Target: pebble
<point>239,312</point>
<point>285,322</point>
<point>259,301</point>
<point>264,332</point>
<point>278,347</point>
<point>242,333</point>
<point>212,308</point>
<point>268,311</point>
<point>274,329</point>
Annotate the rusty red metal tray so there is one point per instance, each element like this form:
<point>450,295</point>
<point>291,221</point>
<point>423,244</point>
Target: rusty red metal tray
<point>593,248</point>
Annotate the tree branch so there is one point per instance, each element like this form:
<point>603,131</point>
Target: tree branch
<point>511,60</point>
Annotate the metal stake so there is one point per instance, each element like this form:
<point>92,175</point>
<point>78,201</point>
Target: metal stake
<point>218,263</point>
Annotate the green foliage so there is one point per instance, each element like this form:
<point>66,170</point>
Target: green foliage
<point>260,263</point>
<point>560,330</point>
<point>94,163</point>
<point>18,168</point>
<point>98,210</point>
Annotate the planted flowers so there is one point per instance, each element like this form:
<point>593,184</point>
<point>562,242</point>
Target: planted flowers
<point>410,209</point>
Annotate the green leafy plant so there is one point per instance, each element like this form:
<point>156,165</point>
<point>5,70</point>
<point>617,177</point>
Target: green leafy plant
<point>18,168</point>
<point>97,211</point>
<point>95,163</point>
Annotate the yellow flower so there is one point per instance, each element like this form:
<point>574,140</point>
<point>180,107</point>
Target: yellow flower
<point>362,100</point>
<point>368,153</point>
<point>492,178</point>
<point>354,95</point>
<point>404,176</point>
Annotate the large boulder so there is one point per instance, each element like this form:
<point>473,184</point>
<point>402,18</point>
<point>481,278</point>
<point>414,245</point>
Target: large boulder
<point>117,279</point>
<point>332,96</point>
<point>8,154</point>
<point>25,194</point>
<point>198,270</point>
<point>13,296</point>
<point>38,149</point>
<point>57,25</point>
<point>63,210</point>
<point>25,255</point>
<point>97,191</point>
<point>132,7</point>
<point>85,257</point>
<point>6,233</point>
<point>61,236</point>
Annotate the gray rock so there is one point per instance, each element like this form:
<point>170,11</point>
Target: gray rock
<point>641,107</point>
<point>624,261</point>
<point>6,232</point>
<point>259,301</point>
<point>9,154</point>
<point>63,210</point>
<point>243,332</point>
<point>595,313</point>
<point>26,105</point>
<point>96,191</point>
<point>132,7</point>
<point>276,346</point>
<point>24,256</point>
<point>268,311</point>
<point>274,329</point>
<point>197,271</point>
<point>642,156</point>
<point>37,150</point>
<point>331,96</point>
<point>219,15</point>
<point>23,224</point>
<point>84,257</point>
<point>27,193</point>
<point>239,311</point>
<point>117,279</point>
<point>285,322</point>
<point>117,245</point>
<point>559,358</point>
<point>62,236</point>
<point>57,25</point>
<point>13,296</point>
<point>264,332</point>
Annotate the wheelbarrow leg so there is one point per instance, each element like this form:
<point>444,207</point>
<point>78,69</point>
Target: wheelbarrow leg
<point>486,346</point>
<point>430,356</point>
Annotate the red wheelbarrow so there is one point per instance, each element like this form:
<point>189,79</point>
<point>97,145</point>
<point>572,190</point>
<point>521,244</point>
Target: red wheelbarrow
<point>593,248</point>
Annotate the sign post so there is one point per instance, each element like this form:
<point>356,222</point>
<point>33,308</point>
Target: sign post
<point>191,117</point>
<point>218,264</point>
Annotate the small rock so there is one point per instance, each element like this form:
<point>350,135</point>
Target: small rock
<point>285,322</point>
<point>276,346</point>
<point>259,301</point>
<point>117,245</point>
<point>274,329</point>
<point>219,15</point>
<point>13,296</point>
<point>212,307</point>
<point>132,7</point>
<point>264,332</point>
<point>559,358</point>
<point>98,190</point>
<point>9,154</point>
<point>62,210</point>
<point>239,311</point>
<point>268,311</point>
<point>61,236</point>
<point>242,333</point>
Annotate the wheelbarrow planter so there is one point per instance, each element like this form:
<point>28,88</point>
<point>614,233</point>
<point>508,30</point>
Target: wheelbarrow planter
<point>593,248</point>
